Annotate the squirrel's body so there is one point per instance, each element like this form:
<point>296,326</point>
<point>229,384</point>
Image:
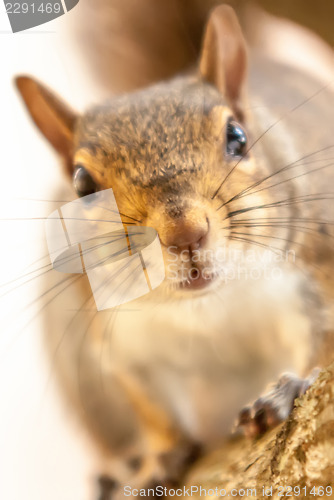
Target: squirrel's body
<point>157,375</point>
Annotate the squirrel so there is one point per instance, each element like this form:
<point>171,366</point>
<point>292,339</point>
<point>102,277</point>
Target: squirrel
<point>231,150</point>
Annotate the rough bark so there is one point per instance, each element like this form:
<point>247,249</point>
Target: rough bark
<point>299,453</point>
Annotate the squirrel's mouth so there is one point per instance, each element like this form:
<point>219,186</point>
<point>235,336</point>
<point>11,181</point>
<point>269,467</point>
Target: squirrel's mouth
<point>197,280</point>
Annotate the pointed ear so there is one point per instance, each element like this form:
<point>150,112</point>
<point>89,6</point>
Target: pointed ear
<point>223,59</point>
<point>54,118</point>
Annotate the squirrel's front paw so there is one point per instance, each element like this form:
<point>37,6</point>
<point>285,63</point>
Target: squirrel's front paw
<point>275,405</point>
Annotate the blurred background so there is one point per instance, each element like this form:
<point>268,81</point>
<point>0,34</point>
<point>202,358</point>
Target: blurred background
<point>130,44</point>
<point>317,16</point>
<point>43,454</point>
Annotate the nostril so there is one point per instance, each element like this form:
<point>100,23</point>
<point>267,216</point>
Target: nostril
<point>194,273</point>
<point>202,237</point>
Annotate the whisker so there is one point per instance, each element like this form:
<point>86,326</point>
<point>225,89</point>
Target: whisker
<point>64,218</point>
<point>276,250</point>
<point>41,200</point>
<point>66,260</point>
<point>311,264</point>
<point>288,219</point>
<point>286,202</point>
<point>58,346</point>
<point>294,164</point>
<point>287,240</point>
<point>303,229</point>
<point>289,179</point>
<point>74,279</point>
<point>304,101</point>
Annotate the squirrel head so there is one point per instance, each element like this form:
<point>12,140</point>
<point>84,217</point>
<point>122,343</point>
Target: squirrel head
<point>166,151</point>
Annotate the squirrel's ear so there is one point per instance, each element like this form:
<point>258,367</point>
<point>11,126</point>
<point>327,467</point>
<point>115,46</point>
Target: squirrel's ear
<point>223,59</point>
<point>54,118</point>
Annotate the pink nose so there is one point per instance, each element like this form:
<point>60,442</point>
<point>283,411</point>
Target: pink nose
<point>188,234</point>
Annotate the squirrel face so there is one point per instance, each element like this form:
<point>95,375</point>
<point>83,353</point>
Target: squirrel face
<point>164,151</point>
<point>167,152</point>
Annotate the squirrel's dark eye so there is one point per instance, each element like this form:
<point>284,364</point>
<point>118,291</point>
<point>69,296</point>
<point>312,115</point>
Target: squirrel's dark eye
<point>236,139</point>
<point>83,182</point>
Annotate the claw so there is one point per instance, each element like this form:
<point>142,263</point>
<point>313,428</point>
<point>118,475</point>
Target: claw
<point>275,405</point>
